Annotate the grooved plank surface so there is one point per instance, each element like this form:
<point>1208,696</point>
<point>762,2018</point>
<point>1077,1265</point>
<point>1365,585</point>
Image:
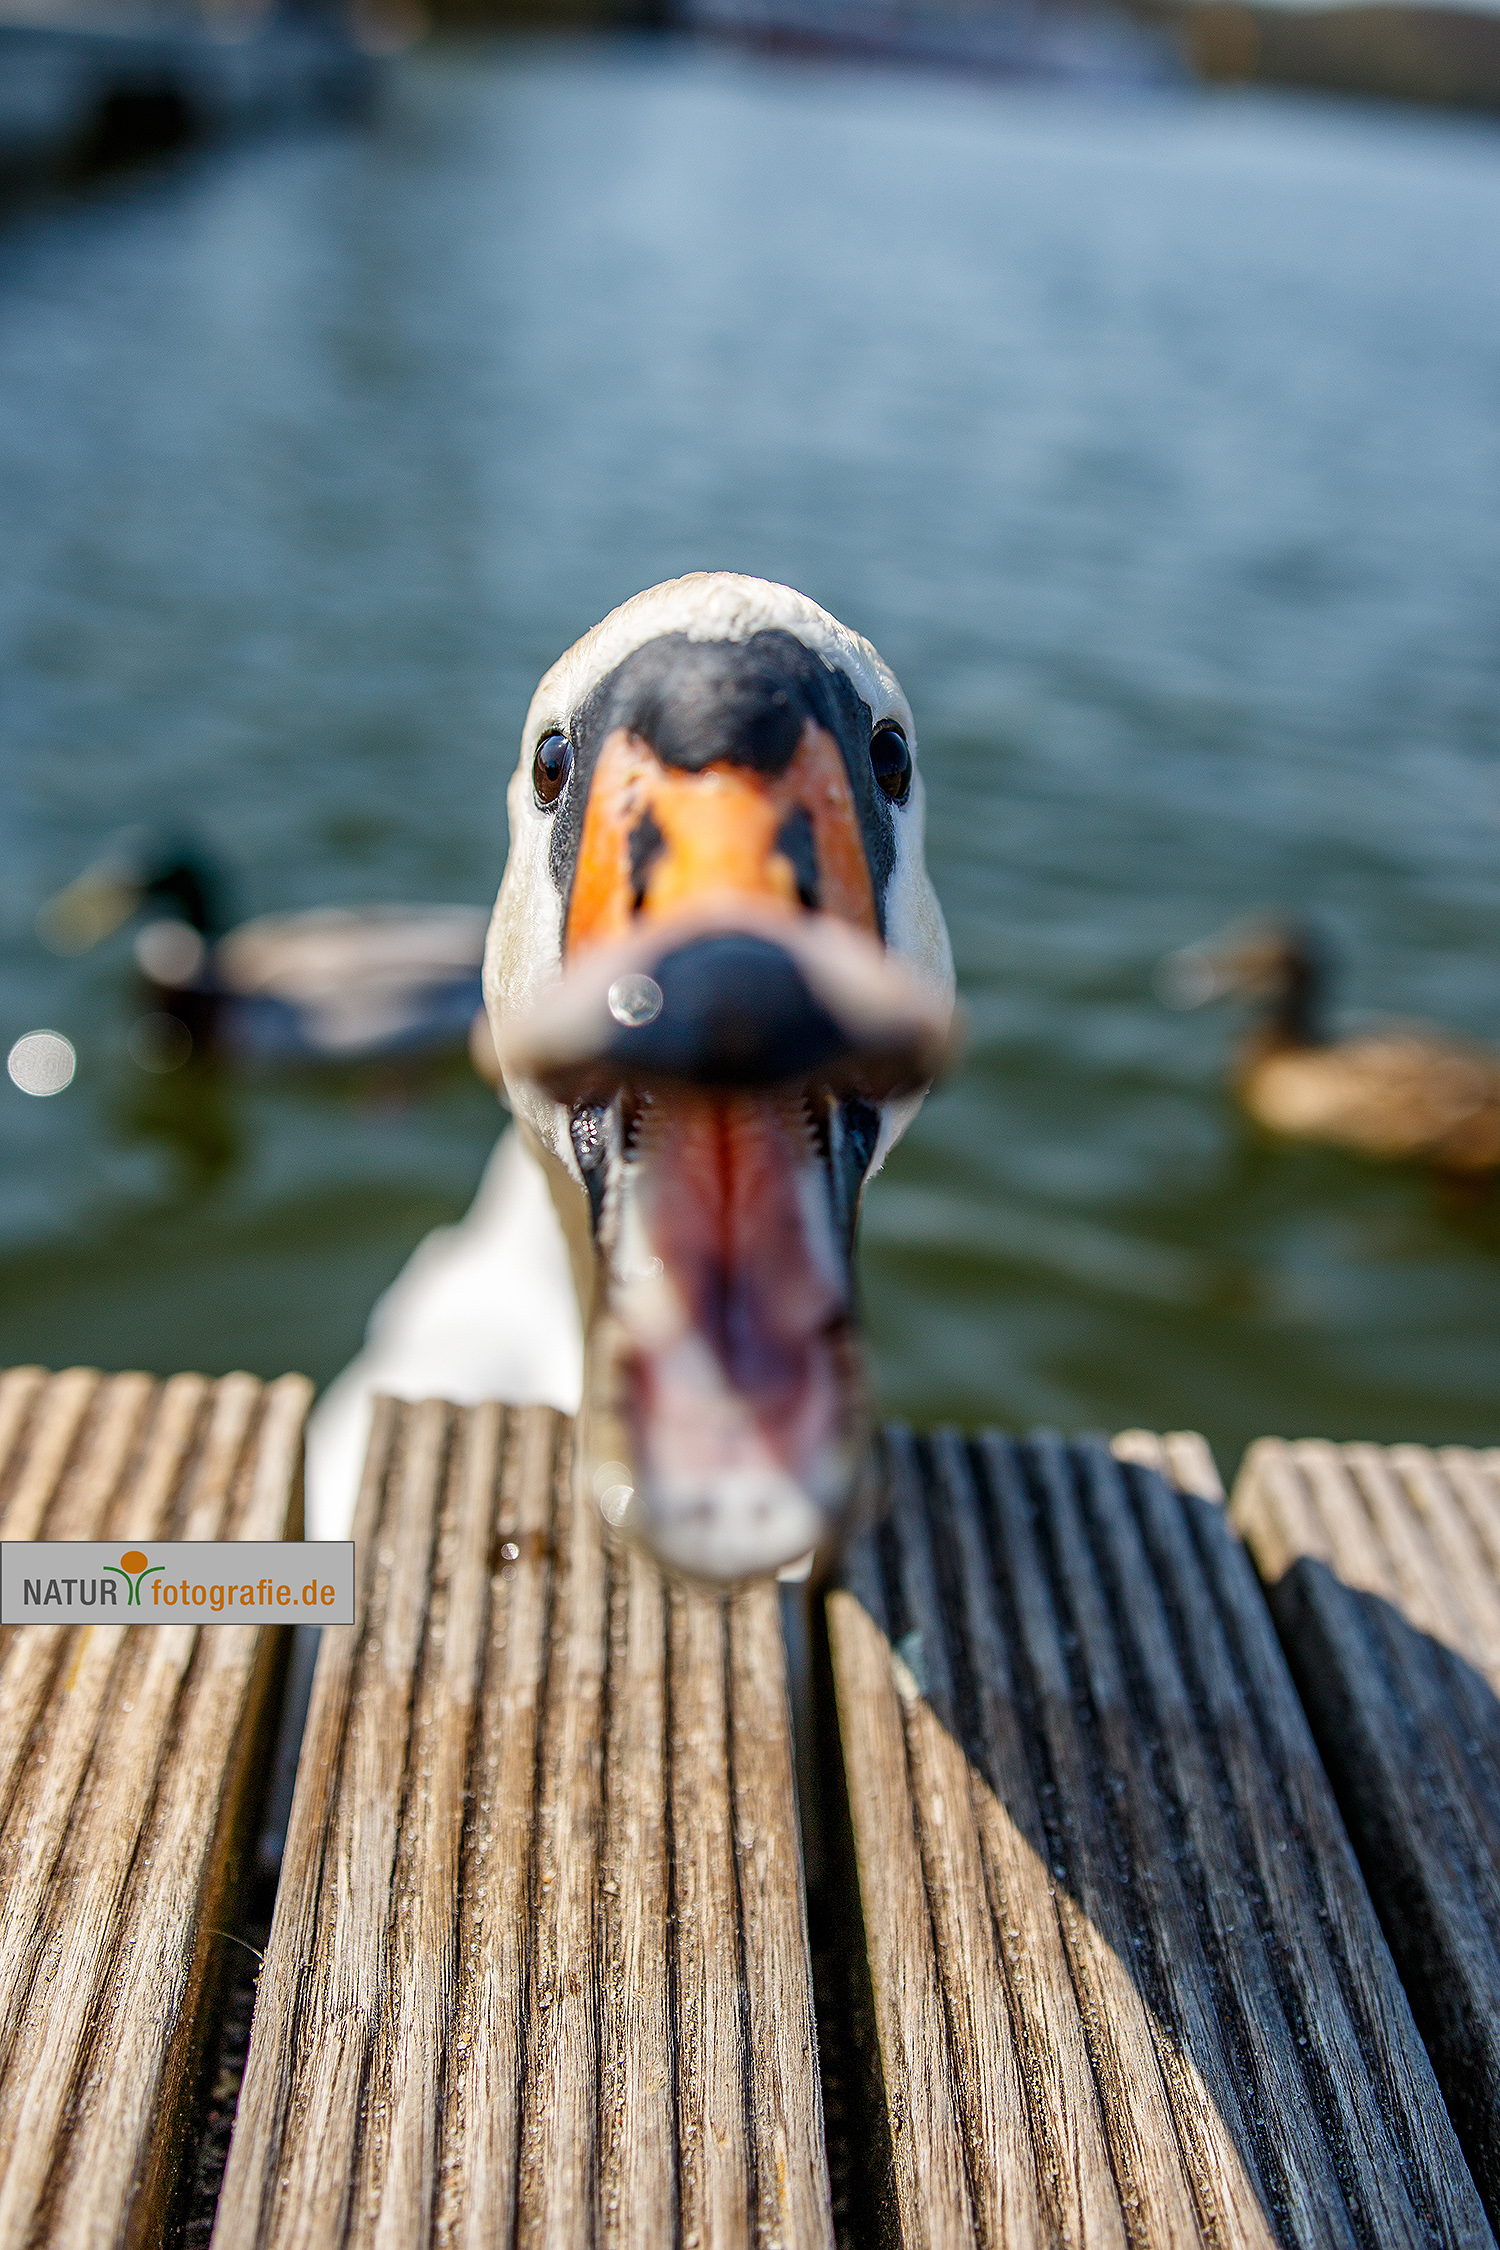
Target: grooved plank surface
<point>1383,1569</point>
<point>1126,1983</point>
<point>126,1754</point>
<point>539,1969</point>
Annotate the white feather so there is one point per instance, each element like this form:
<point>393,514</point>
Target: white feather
<point>484,1309</point>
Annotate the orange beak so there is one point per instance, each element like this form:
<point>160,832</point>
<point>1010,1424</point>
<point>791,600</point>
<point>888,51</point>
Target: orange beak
<point>657,840</point>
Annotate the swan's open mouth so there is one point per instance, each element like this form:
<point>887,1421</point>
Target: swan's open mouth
<point>724,1413</point>
<point>721,1072</point>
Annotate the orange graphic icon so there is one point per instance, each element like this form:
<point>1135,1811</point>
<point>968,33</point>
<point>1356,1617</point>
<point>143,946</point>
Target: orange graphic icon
<point>133,1569</point>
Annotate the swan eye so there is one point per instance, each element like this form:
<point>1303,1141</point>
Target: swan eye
<point>891,759</point>
<point>551,767</point>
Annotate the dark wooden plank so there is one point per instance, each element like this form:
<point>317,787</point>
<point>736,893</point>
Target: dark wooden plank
<point>919,2088</point>
<point>126,1761</point>
<point>539,1969</point>
<point>1383,1571</point>
<point>1127,1980</point>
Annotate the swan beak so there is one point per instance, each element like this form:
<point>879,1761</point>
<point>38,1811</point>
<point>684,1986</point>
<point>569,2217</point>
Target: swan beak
<point>722,1070</point>
<point>734,997</point>
<point>727,1025</point>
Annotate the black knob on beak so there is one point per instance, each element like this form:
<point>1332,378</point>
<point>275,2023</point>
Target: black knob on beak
<point>735,1013</point>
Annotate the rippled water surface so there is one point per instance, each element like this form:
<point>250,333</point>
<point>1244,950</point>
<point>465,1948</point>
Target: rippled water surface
<point>1156,443</point>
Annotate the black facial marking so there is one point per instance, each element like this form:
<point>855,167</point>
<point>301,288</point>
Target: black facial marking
<point>739,702</point>
<point>698,702</point>
<point>795,842</point>
<point>646,842</point>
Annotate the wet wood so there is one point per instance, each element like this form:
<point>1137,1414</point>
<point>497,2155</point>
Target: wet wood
<point>127,1762</point>
<point>1126,1982</point>
<point>1383,1571</point>
<point>539,1969</point>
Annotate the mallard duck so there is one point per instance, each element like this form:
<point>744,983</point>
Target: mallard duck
<point>1399,1091</point>
<point>331,984</point>
<point>719,984</point>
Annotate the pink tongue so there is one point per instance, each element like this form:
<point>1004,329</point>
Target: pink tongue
<point>741,1385</point>
<point>729,1224</point>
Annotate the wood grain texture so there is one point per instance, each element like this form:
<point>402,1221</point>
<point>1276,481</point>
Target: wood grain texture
<point>126,1758</point>
<point>1383,1571</point>
<point>1128,1987</point>
<point>539,1969</point>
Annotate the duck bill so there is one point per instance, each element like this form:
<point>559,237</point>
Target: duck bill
<point>726,1421</point>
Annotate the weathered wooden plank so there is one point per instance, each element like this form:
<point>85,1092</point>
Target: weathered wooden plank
<point>712,2127</point>
<point>127,1756</point>
<point>921,2096</point>
<point>539,1969</point>
<point>779,2029</point>
<point>637,2062</point>
<point>558,2149</point>
<point>482,2147</point>
<point>1127,1979</point>
<point>1383,1571</point>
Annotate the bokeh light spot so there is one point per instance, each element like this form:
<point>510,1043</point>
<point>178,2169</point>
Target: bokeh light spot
<point>159,1043</point>
<point>42,1062</point>
<point>635,1000</point>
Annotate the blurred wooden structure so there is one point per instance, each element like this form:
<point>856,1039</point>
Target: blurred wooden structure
<point>1383,1570</point>
<point>127,1762</point>
<point>1126,1983</point>
<point>539,1969</point>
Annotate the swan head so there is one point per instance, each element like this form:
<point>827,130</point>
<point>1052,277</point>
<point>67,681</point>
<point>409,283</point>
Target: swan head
<point>719,984</point>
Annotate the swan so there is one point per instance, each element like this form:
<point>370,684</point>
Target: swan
<point>719,984</point>
<point>1399,1092</point>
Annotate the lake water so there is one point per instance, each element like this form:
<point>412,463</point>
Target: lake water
<point>1156,442</point>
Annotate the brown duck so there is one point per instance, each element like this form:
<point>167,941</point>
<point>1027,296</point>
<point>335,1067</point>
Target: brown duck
<point>1402,1091</point>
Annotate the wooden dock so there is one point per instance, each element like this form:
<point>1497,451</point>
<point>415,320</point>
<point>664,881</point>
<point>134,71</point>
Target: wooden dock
<point>1089,1957</point>
<point>1126,1983</point>
<point>127,1765</point>
<point>539,1969</point>
<point>1383,1569</point>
